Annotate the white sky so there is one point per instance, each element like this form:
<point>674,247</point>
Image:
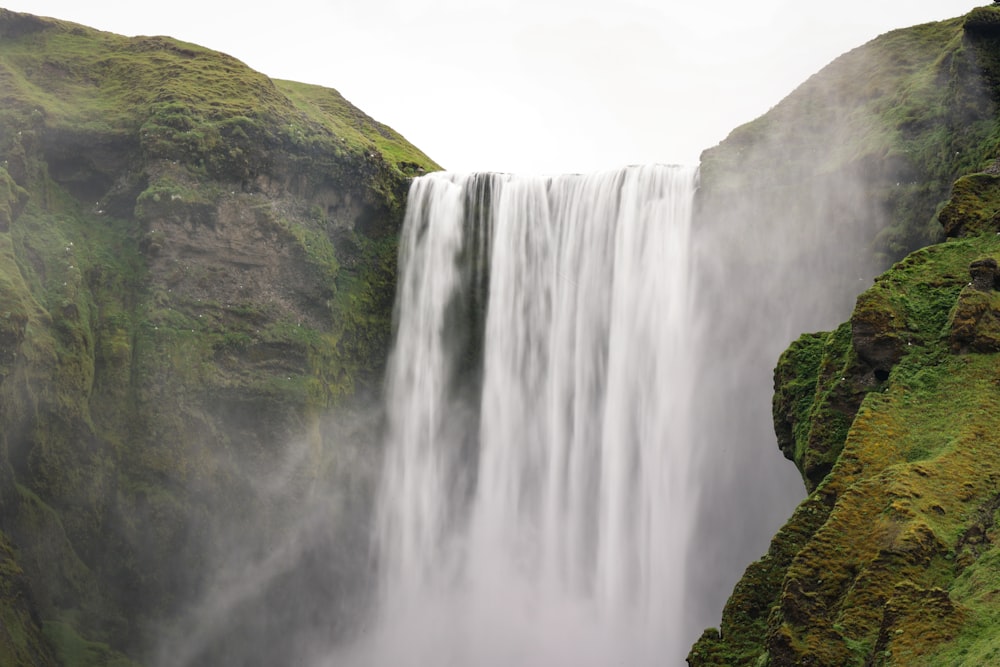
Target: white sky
<point>532,85</point>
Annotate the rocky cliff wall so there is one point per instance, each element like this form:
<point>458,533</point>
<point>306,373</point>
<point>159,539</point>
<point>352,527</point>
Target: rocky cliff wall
<point>196,264</point>
<point>797,212</point>
<point>891,420</point>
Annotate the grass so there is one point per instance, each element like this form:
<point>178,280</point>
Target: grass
<point>895,518</point>
<point>182,102</point>
<point>72,649</point>
<point>891,559</point>
<point>895,121</point>
<point>135,393</point>
<point>355,128</point>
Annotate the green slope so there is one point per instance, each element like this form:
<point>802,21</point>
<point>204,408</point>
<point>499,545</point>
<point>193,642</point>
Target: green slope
<point>892,419</point>
<point>196,264</point>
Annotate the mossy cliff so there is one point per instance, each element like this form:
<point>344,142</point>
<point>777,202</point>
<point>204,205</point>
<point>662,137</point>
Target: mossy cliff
<point>892,420</point>
<point>796,213</point>
<point>196,263</point>
<point>863,154</point>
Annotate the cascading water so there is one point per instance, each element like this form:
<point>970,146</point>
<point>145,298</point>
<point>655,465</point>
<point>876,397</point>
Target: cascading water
<point>535,504</point>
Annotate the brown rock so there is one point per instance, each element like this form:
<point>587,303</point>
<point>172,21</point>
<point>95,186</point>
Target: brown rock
<point>983,273</point>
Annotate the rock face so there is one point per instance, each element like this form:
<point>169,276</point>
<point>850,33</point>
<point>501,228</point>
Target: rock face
<point>196,264</point>
<point>892,421</point>
<point>813,200</point>
<point>876,566</point>
<point>974,205</point>
<point>984,273</point>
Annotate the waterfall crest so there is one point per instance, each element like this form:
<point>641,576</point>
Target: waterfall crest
<point>534,502</point>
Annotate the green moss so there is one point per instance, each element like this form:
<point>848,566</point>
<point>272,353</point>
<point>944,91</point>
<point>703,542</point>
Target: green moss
<point>362,306</point>
<point>839,392</point>
<point>984,20</point>
<point>893,519</point>
<point>973,207</point>
<point>974,323</point>
<point>894,122</point>
<point>12,199</point>
<point>795,379</point>
<point>169,198</point>
<point>352,128</point>
<point>813,402</point>
<point>319,251</point>
<point>219,115</point>
<point>755,600</point>
<point>877,566</point>
<point>142,388</point>
<point>180,102</point>
<point>72,649</point>
<point>976,589</point>
<point>21,639</point>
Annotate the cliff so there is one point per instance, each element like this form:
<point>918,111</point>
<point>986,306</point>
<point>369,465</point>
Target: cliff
<point>892,418</point>
<point>196,263</point>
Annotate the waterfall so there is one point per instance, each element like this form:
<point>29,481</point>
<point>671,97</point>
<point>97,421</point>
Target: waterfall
<point>534,507</point>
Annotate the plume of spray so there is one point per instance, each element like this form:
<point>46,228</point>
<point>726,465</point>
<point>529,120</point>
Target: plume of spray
<point>786,226</point>
<point>796,213</point>
<point>484,556</point>
<point>782,242</point>
<point>285,559</point>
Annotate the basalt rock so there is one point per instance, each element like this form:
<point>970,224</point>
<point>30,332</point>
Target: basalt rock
<point>876,334</point>
<point>984,274</point>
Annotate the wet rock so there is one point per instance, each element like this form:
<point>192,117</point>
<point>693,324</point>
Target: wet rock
<point>983,273</point>
<point>975,322</point>
<point>974,207</point>
<point>875,334</point>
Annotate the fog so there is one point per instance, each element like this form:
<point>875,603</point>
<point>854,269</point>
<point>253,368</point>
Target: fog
<point>785,235</point>
<point>783,240</point>
<point>286,566</point>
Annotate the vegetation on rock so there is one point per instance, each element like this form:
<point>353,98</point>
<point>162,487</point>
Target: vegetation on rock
<point>196,261</point>
<point>872,568</point>
<point>892,420</point>
<point>891,125</point>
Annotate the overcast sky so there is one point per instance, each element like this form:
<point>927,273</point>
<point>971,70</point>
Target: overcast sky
<point>532,85</point>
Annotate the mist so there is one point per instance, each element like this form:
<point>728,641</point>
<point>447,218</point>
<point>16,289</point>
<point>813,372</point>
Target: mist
<point>285,566</point>
<point>801,210</point>
<point>793,218</point>
<point>774,262</point>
